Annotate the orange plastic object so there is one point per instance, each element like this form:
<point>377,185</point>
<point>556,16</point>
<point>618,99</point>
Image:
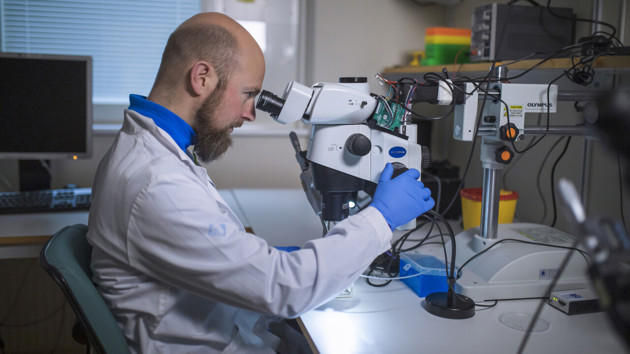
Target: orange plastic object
<point>447,31</point>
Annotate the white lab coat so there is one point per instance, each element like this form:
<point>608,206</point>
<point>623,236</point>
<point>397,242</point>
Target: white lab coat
<point>178,269</point>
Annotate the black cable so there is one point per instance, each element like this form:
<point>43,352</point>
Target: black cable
<point>451,234</point>
<point>420,117</point>
<point>483,103</point>
<point>386,269</point>
<point>437,79</point>
<point>419,244</point>
<point>534,143</point>
<point>448,275</point>
<point>496,301</point>
<point>619,43</point>
<point>587,61</point>
<point>488,306</point>
<point>572,248</point>
<point>397,246</point>
<point>385,264</point>
<point>538,184</point>
<point>614,30</point>
<point>428,243</point>
<point>518,298</point>
<point>438,181</point>
<point>388,259</point>
<point>552,285</point>
<point>553,54</point>
<point>472,148</point>
<point>424,242</point>
<point>530,144</point>
<point>553,171</point>
<point>623,217</point>
<point>436,220</point>
<point>509,168</point>
<point>583,76</point>
<point>531,2</point>
<point>544,60</point>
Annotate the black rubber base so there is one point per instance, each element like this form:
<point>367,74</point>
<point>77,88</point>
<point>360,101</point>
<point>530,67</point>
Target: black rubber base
<point>449,305</point>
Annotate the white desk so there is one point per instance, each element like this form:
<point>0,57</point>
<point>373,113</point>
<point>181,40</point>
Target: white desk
<point>373,320</point>
<point>282,216</point>
<point>392,320</point>
<point>23,235</point>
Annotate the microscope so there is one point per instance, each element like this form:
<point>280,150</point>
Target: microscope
<point>353,135</point>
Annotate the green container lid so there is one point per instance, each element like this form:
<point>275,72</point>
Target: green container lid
<point>438,54</point>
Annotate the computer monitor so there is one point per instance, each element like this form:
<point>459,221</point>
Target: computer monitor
<point>45,111</point>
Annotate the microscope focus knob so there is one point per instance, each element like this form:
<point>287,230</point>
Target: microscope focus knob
<point>426,156</point>
<point>358,144</point>
<point>399,168</point>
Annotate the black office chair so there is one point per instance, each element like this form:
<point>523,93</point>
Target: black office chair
<point>66,257</point>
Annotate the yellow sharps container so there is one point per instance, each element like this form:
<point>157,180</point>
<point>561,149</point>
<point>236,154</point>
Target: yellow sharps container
<point>471,206</point>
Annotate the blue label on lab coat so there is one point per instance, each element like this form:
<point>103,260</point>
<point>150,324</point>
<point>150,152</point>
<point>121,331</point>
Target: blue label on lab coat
<point>216,230</point>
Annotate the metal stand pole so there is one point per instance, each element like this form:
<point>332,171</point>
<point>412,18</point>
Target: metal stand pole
<point>491,189</point>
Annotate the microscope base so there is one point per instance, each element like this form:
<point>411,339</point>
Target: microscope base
<point>513,269</point>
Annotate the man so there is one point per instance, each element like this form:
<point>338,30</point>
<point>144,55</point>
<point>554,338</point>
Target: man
<point>170,258</point>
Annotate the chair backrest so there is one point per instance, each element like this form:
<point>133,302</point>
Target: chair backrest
<point>66,257</point>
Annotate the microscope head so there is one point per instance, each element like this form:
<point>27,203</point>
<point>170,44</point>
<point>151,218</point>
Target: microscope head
<point>352,138</point>
<point>347,102</point>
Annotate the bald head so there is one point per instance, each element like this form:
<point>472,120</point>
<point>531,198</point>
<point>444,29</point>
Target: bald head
<point>211,37</point>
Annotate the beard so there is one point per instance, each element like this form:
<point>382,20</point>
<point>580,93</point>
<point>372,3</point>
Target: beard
<point>211,141</point>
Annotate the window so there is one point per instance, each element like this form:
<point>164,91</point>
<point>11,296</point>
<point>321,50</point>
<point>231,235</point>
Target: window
<point>277,26</point>
<point>124,37</point>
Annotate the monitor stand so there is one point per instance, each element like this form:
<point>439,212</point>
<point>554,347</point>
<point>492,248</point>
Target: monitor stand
<point>33,175</point>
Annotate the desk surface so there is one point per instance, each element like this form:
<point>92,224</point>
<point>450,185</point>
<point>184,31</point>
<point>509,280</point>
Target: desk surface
<point>392,320</point>
<point>270,213</point>
<point>374,320</point>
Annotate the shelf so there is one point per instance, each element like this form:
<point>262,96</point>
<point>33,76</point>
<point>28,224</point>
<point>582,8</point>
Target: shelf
<point>616,63</point>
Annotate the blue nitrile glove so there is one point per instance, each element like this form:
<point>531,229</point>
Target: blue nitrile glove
<point>401,199</point>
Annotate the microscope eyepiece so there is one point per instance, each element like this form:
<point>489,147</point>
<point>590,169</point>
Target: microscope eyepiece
<point>270,103</point>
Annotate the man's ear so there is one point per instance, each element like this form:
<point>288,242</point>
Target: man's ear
<point>203,78</point>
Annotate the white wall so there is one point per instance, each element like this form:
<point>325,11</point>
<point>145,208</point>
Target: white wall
<point>360,38</point>
<point>344,38</point>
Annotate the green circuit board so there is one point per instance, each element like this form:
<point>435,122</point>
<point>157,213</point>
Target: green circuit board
<point>389,115</point>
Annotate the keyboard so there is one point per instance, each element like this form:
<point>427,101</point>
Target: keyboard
<point>75,199</point>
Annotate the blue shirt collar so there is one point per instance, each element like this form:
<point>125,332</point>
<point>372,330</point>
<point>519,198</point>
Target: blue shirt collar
<point>177,128</point>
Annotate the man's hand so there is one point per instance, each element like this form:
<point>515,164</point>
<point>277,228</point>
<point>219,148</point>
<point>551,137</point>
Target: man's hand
<point>401,199</point>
